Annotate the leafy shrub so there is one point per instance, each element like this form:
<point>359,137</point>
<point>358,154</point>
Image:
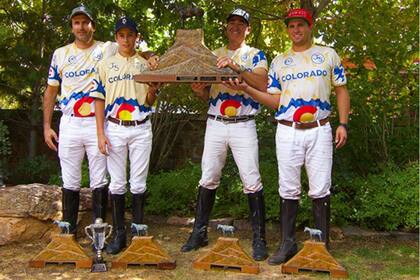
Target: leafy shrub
<point>173,193</point>
<point>389,201</point>
<point>34,170</point>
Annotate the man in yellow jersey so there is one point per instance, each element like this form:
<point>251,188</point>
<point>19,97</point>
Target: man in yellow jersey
<point>300,83</point>
<point>71,75</point>
<point>123,108</point>
<point>231,124</point>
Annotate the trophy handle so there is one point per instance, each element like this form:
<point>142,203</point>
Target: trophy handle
<point>109,232</point>
<point>87,232</point>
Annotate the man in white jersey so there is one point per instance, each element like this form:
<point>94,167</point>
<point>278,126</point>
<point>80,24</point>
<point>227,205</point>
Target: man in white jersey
<point>231,124</point>
<point>125,106</point>
<point>71,75</point>
<point>299,88</point>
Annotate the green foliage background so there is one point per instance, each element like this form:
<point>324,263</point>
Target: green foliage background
<point>375,176</point>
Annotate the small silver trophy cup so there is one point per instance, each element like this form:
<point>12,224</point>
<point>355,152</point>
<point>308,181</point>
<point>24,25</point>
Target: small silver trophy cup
<point>99,233</point>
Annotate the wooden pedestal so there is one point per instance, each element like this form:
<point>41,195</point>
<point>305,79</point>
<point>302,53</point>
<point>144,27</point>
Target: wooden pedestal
<point>63,248</point>
<point>210,79</point>
<point>227,254</point>
<point>314,256</point>
<point>144,251</point>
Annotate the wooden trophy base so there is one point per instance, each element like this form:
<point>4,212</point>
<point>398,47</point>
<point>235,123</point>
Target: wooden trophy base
<point>63,248</point>
<point>209,79</point>
<point>227,254</point>
<point>314,256</point>
<point>145,252</point>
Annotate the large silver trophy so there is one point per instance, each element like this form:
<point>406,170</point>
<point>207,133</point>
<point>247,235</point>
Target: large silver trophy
<point>99,233</point>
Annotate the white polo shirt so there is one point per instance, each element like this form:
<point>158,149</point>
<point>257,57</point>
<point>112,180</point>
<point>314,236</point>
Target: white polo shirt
<point>227,102</point>
<point>74,69</point>
<point>305,80</point>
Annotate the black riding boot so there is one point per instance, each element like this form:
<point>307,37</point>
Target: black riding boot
<point>99,202</point>
<point>119,239</point>
<point>198,237</point>
<point>137,208</point>
<point>321,212</point>
<point>70,200</point>
<point>257,215</point>
<point>288,247</point>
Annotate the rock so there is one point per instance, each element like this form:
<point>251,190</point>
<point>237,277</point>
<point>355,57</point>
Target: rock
<point>404,236</point>
<point>357,231</point>
<point>22,229</point>
<point>27,212</point>
<point>179,221</point>
<point>223,221</point>
<point>38,201</point>
<point>336,233</point>
<point>242,224</point>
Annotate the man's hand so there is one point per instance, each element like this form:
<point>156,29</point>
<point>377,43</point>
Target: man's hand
<point>340,136</point>
<point>104,144</point>
<point>154,87</point>
<point>50,137</point>
<point>199,87</point>
<point>225,61</point>
<point>153,62</point>
<point>236,84</point>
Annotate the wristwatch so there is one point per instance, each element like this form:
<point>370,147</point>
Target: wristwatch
<point>345,126</point>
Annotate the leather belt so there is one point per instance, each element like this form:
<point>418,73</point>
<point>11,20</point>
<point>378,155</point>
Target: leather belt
<point>127,123</point>
<point>299,125</point>
<point>231,119</point>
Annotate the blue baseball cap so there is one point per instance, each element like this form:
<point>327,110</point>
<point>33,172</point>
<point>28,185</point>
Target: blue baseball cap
<point>126,22</point>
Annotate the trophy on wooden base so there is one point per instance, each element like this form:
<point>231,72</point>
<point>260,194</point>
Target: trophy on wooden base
<point>62,249</point>
<point>98,232</point>
<point>144,252</point>
<point>227,254</point>
<point>314,256</point>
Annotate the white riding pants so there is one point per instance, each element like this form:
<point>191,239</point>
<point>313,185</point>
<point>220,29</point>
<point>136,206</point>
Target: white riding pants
<point>77,137</point>
<point>310,147</point>
<point>136,142</point>
<point>242,139</point>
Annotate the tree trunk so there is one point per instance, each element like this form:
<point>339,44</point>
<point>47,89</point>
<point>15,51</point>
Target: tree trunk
<point>35,113</point>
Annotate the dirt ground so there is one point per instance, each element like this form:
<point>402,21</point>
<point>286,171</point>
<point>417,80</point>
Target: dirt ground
<point>14,260</point>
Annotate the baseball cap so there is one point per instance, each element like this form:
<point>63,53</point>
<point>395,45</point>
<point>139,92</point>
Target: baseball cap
<point>127,23</point>
<point>81,10</point>
<point>240,13</point>
<point>299,13</point>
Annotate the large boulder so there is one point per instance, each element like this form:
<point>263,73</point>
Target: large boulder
<point>27,211</point>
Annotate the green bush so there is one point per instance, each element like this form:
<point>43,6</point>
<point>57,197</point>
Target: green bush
<point>34,170</point>
<point>384,201</point>
<point>173,193</point>
<point>389,201</point>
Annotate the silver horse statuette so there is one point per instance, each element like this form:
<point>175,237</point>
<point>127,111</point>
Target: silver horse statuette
<point>226,229</point>
<point>64,226</point>
<point>313,232</point>
<point>139,229</point>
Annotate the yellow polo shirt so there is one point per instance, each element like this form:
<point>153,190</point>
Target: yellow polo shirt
<point>124,98</point>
